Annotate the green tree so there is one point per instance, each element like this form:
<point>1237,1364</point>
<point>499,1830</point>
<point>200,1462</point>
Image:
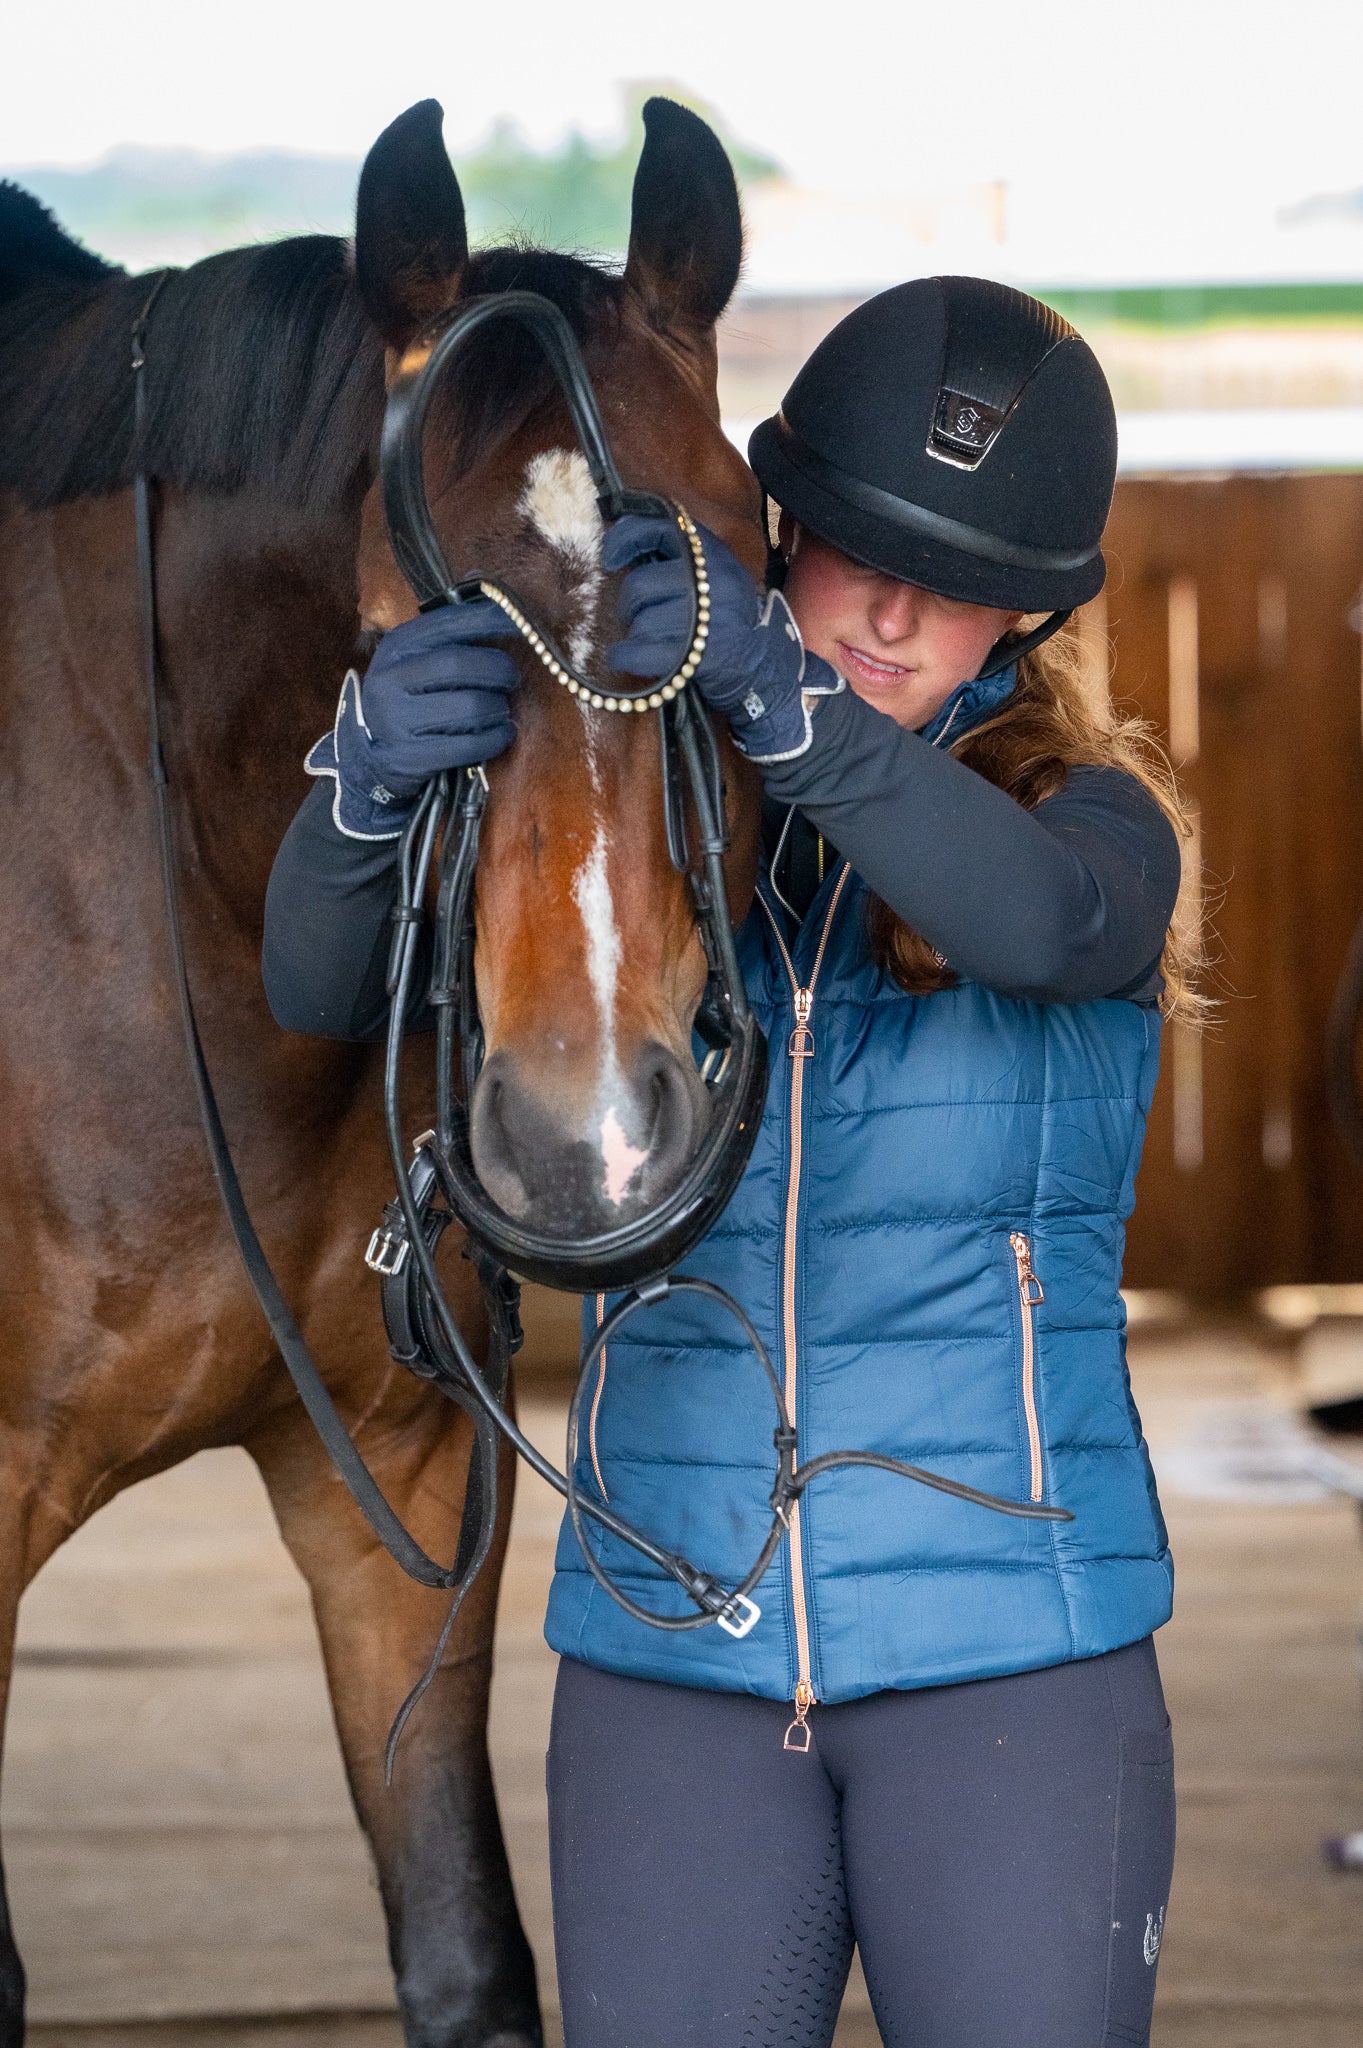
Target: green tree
<point>146,206</point>
<point>577,195</point>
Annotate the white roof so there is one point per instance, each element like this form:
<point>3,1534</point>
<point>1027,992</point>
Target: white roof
<point>803,241</point>
<point>1267,438</point>
<point>1215,441</point>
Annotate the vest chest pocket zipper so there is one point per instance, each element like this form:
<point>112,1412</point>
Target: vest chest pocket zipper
<point>1030,1295</point>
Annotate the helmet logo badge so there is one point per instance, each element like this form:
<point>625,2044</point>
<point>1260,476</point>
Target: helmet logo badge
<point>964,429</point>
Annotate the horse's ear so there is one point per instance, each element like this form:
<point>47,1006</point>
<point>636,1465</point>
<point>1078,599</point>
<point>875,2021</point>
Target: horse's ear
<point>686,227</point>
<point>411,243</point>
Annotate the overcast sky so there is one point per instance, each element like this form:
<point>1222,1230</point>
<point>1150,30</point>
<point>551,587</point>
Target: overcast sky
<point>1111,107</point>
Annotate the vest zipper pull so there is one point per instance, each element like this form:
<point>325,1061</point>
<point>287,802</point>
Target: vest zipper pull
<point>1030,1288</point>
<point>801,1044</point>
<point>797,1735</point>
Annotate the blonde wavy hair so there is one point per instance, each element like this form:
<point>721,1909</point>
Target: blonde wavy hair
<point>1055,720</point>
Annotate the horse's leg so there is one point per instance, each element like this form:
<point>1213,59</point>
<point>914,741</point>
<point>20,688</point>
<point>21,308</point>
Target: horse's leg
<point>11,1585</point>
<point>12,1981</point>
<point>32,1527</point>
<point>465,1975</point>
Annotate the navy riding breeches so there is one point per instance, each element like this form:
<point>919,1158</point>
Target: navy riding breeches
<point>1000,1852</point>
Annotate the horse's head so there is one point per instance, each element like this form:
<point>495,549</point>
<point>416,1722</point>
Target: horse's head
<point>589,966</point>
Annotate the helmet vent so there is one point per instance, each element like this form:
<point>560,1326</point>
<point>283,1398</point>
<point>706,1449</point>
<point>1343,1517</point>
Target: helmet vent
<point>963,429</point>
<point>996,340</point>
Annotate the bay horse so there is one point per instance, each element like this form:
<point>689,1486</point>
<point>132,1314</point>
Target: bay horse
<point>130,1339</point>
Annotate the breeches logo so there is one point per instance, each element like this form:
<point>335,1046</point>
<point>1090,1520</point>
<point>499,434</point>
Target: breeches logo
<point>1154,1935</point>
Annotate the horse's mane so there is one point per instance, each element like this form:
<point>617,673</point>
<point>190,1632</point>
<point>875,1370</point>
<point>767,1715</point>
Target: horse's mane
<point>263,370</point>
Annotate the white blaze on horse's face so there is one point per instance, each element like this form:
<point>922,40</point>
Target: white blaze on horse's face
<point>622,1160</point>
<point>559,500</point>
<point>592,894</point>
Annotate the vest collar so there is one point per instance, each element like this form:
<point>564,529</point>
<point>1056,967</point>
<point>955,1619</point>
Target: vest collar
<point>970,705</point>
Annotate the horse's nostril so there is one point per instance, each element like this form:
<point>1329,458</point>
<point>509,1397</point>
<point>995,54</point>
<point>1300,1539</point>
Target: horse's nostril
<point>673,1125</point>
<point>498,1150</point>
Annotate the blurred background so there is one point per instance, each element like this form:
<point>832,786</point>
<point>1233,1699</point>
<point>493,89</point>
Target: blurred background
<point>1185,183</point>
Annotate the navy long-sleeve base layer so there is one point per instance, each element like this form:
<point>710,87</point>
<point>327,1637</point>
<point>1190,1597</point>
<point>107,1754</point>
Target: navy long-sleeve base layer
<point>1062,904</point>
<point>1000,1853</point>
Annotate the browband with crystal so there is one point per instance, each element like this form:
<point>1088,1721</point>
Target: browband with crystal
<point>580,686</point>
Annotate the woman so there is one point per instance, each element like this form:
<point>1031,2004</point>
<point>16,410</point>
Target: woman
<point>947,1741</point>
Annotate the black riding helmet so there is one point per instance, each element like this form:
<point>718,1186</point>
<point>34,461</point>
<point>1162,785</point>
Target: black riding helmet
<point>958,435</point>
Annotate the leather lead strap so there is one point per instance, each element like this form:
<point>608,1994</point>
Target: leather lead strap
<point>364,1489</point>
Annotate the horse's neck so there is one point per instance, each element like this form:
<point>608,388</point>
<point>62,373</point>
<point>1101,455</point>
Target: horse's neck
<point>256,616</point>
<point>257,621</point>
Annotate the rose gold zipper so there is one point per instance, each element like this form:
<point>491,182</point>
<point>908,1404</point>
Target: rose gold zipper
<point>799,1047</point>
<point>1030,1295</point>
<point>596,1398</point>
<point>797,1735</point>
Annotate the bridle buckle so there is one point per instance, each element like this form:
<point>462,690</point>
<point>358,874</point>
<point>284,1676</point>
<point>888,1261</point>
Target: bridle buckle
<point>740,1617</point>
<point>388,1251</point>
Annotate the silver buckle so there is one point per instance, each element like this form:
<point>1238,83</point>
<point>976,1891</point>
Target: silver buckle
<point>740,1617</point>
<point>715,1065</point>
<point>387,1254</point>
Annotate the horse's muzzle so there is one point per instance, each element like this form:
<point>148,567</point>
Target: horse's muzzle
<point>571,1163</point>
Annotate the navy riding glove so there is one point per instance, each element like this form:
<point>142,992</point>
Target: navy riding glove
<point>755,668</point>
<point>431,699</point>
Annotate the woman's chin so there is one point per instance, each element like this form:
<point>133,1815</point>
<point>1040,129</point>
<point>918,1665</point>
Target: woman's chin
<point>901,693</point>
<point>907,702</point>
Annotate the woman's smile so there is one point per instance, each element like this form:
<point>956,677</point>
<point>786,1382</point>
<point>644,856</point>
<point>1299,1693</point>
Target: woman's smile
<point>869,668</point>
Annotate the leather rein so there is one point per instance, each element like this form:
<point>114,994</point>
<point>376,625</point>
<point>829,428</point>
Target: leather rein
<point>424,1334</point>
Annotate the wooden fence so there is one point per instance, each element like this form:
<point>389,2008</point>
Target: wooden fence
<point>1230,619</point>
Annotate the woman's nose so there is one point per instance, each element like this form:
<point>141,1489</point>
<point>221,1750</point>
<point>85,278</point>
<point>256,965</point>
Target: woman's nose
<point>894,610</point>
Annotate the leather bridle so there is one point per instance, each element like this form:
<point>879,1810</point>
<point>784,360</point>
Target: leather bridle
<point>735,1075</point>
<point>422,1328</point>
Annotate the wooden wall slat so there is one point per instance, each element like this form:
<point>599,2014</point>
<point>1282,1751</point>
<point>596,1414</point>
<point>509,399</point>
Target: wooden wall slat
<point>1278,783</point>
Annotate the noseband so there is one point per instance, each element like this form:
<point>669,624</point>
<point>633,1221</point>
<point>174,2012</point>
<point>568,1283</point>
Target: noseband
<point>423,1332</point>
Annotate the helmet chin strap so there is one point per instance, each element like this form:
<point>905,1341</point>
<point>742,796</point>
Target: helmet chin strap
<point>776,561</point>
<point>1005,652</point>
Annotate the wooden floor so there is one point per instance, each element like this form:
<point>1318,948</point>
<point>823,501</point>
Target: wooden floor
<point>183,1865</point>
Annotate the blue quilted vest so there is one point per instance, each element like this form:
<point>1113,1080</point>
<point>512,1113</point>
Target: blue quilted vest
<point>929,1239</point>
